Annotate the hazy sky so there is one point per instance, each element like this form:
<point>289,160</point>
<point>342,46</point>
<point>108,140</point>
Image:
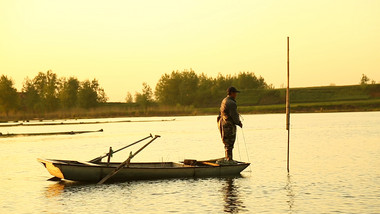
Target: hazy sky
<point>124,43</point>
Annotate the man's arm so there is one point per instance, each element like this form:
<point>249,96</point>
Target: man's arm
<point>234,114</point>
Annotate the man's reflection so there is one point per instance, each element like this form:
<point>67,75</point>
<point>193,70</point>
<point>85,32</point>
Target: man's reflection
<point>233,202</point>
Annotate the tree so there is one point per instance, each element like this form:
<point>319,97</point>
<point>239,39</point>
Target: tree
<point>30,98</point>
<point>8,95</point>
<point>248,80</point>
<point>146,97</point>
<point>87,96</point>
<point>205,91</point>
<point>177,88</point>
<point>68,94</point>
<point>46,85</point>
<point>165,91</point>
<point>129,98</point>
<point>90,94</point>
<point>46,92</point>
<point>188,88</point>
<point>364,80</point>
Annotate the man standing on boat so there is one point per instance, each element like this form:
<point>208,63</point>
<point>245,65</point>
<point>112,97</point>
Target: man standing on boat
<point>228,119</point>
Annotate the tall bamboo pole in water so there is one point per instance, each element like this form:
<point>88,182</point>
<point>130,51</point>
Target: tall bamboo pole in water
<point>288,104</point>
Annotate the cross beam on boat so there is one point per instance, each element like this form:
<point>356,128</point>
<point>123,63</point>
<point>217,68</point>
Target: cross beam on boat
<point>127,162</point>
<point>110,153</point>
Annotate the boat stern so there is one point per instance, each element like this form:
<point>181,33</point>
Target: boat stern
<point>51,168</point>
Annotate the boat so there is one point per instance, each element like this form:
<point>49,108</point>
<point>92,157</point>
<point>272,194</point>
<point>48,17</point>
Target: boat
<point>94,172</point>
<point>97,171</point>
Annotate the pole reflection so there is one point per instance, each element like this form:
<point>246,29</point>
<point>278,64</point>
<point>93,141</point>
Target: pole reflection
<point>233,202</point>
<point>289,193</point>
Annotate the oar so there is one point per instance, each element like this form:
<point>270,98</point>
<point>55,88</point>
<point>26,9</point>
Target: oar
<point>126,162</point>
<point>98,159</point>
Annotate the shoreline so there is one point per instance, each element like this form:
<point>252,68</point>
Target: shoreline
<point>350,98</point>
<point>116,111</point>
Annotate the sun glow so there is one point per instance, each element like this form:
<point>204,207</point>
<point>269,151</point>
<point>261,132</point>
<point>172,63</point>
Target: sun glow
<point>125,43</point>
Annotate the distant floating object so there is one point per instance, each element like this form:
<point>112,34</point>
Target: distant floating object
<point>47,133</point>
<point>80,123</point>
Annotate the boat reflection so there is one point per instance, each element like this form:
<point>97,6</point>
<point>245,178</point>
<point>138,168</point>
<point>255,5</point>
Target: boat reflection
<point>56,189</point>
<point>233,201</point>
<point>230,191</point>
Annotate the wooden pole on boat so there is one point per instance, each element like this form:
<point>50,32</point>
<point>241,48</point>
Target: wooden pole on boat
<point>288,104</point>
<point>126,162</point>
<point>109,156</point>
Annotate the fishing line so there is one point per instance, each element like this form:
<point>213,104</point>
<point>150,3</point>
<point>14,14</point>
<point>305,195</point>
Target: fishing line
<point>246,150</point>
<point>237,138</point>
<point>245,143</point>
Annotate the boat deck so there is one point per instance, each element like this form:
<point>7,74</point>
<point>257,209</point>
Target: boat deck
<point>210,163</point>
<point>95,172</point>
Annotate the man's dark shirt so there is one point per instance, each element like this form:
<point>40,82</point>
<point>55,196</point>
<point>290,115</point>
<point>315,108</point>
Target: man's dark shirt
<point>228,111</point>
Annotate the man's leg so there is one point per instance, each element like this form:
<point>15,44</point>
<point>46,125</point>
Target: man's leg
<point>227,146</point>
<point>228,152</point>
<point>229,136</point>
<point>230,148</point>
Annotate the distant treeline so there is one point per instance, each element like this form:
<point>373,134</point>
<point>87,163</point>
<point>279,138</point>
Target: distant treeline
<point>46,93</point>
<point>259,97</point>
<point>177,93</point>
<point>187,88</point>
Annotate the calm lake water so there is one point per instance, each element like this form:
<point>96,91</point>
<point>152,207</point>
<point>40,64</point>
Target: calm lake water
<point>335,167</point>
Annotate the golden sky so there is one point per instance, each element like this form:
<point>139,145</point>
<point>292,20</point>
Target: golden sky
<point>124,43</point>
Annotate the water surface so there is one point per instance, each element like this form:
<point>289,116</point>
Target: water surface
<point>335,159</point>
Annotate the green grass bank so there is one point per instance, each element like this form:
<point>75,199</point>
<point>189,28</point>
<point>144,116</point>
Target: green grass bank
<point>303,100</point>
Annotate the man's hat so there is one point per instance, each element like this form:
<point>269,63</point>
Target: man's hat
<point>232,89</point>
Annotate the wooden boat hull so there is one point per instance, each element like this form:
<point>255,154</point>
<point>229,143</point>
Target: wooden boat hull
<point>89,172</point>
